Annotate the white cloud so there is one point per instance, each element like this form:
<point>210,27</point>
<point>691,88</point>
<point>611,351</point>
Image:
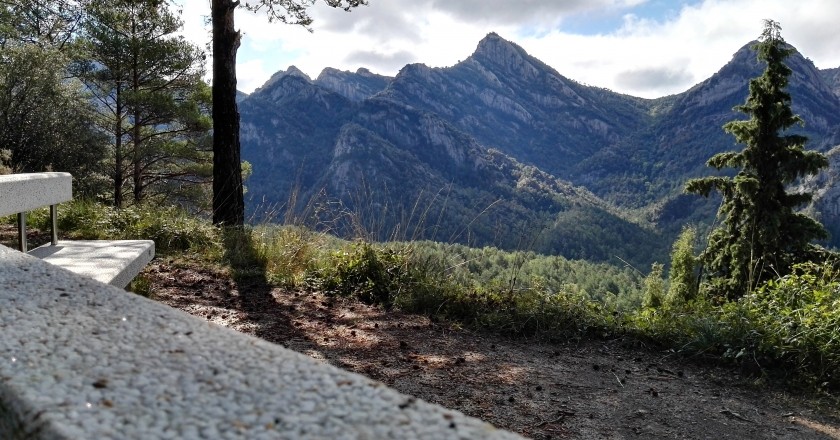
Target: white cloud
<point>251,74</point>
<point>639,54</point>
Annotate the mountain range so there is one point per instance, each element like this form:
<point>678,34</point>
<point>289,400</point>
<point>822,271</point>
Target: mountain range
<point>502,150</point>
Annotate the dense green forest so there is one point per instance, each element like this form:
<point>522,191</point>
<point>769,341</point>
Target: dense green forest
<point>110,93</point>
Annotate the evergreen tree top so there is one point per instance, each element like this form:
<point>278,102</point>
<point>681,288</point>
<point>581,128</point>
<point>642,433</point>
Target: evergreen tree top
<point>762,234</point>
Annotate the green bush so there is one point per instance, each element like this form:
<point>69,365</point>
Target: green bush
<point>796,323</point>
<point>289,253</point>
<point>374,275</point>
<point>788,327</point>
<point>682,277</point>
<point>653,287</point>
<point>172,229</point>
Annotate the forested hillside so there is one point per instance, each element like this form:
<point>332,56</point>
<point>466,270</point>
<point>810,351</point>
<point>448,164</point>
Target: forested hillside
<point>383,170</point>
<point>500,147</point>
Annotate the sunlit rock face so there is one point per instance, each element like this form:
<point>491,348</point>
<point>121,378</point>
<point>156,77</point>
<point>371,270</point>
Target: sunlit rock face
<point>507,145</point>
<point>355,86</point>
<point>825,189</point>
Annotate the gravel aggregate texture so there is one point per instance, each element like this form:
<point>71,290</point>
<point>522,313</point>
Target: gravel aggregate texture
<point>28,191</point>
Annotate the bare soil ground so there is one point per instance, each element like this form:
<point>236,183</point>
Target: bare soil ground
<point>609,389</point>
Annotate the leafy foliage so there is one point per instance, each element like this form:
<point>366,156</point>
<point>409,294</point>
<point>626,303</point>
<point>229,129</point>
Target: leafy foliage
<point>374,275</point>
<point>797,322</point>
<point>295,11</point>
<point>788,327</point>
<point>45,120</point>
<point>173,229</point>
<point>654,287</point>
<point>682,277</point>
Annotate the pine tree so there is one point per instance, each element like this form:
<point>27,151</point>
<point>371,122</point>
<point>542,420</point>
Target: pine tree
<point>761,234</point>
<point>45,118</point>
<point>147,83</point>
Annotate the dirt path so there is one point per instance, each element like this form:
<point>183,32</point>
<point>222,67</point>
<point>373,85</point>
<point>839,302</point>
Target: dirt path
<point>588,390</point>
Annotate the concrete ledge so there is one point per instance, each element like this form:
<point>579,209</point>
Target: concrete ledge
<point>80,360</point>
<point>25,192</point>
<point>114,262</point>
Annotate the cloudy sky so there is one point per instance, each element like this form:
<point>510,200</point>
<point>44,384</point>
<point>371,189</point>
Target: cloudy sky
<point>647,48</point>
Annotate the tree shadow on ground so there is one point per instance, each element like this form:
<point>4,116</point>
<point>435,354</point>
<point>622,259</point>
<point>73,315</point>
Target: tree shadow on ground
<point>250,280</point>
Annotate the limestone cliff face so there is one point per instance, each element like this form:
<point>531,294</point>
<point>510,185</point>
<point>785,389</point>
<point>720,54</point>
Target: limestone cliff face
<point>825,188</point>
<point>383,168</point>
<point>354,86</point>
<point>512,101</point>
<point>507,145</point>
<point>832,79</point>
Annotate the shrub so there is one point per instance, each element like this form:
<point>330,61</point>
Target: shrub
<point>171,228</point>
<point>288,252</point>
<point>788,327</point>
<point>796,323</point>
<point>682,277</point>
<point>374,275</point>
<point>653,287</point>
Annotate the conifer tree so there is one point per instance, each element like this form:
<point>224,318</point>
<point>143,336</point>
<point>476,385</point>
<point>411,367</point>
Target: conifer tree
<point>653,287</point>
<point>761,234</point>
<point>146,81</point>
<point>682,278</point>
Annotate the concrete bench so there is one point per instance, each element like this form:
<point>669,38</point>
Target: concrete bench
<point>114,262</point>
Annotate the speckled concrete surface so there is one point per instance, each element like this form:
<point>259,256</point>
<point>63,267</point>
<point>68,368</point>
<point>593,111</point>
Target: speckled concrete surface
<point>114,262</point>
<point>82,360</point>
<point>25,192</point>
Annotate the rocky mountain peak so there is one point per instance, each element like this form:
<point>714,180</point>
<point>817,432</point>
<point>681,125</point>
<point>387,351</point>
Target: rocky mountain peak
<point>494,50</point>
<point>731,85</point>
<point>492,45</point>
<point>502,122</point>
<point>280,74</point>
<point>292,70</point>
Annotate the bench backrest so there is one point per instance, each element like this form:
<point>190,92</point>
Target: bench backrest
<point>25,192</point>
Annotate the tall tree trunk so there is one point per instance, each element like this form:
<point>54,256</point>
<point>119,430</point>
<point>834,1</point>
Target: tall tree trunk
<point>118,158</point>
<point>137,174</point>
<point>228,199</point>
<point>137,177</point>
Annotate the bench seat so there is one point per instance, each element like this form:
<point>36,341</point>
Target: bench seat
<point>114,262</point>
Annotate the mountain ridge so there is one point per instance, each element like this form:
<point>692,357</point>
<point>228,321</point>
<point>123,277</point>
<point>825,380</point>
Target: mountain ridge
<point>479,126</point>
